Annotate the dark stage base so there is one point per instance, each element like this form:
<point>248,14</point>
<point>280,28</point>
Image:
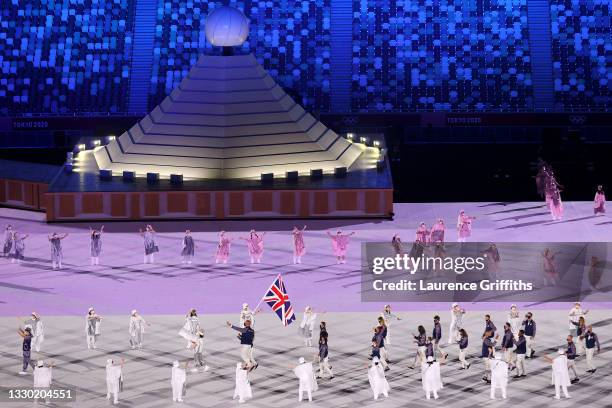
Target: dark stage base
<point>68,197</point>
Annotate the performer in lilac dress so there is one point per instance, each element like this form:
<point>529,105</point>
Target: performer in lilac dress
<point>8,240</point>
<point>599,205</point>
<point>55,240</point>
<point>187,248</point>
<point>96,244</point>
<point>340,244</point>
<point>464,226</point>
<point>150,246</point>
<point>422,234</point>
<point>223,248</point>
<point>437,231</point>
<point>299,249</point>
<point>255,244</point>
<point>18,248</point>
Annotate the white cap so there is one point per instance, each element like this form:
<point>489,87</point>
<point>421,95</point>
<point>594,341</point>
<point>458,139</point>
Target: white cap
<point>90,309</point>
<point>134,312</point>
<point>40,363</point>
<point>455,304</point>
<point>301,360</point>
<point>109,361</point>
<point>512,305</point>
<point>175,364</point>
<point>245,305</point>
<point>35,315</point>
<point>430,359</point>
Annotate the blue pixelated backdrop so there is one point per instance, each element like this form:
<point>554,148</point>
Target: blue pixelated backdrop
<point>78,56</point>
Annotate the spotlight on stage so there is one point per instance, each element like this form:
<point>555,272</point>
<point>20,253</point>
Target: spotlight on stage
<point>82,146</point>
<point>106,174</point>
<point>176,179</point>
<point>363,140</point>
<point>110,138</point>
<point>340,172</point>
<point>376,143</point>
<point>350,136</point>
<point>129,176</point>
<point>96,143</point>
<point>267,178</point>
<point>316,174</point>
<point>152,178</point>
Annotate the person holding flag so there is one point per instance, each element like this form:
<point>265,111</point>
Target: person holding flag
<point>246,337</point>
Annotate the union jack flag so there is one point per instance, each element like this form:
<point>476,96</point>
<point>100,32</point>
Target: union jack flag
<point>278,299</point>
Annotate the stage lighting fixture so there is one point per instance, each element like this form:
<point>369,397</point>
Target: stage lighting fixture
<point>96,143</point>
<point>82,146</point>
<point>349,136</point>
<point>363,140</point>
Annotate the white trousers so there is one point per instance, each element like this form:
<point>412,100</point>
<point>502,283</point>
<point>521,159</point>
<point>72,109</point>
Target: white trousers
<point>590,352</point>
<point>571,366</point>
<point>91,341</point>
<point>149,258</point>
<point>520,364</point>
<point>530,343</point>
<point>246,353</point>
<point>325,367</point>
<point>301,394</point>
<point>462,358</point>
<point>503,388</point>
<point>37,342</point>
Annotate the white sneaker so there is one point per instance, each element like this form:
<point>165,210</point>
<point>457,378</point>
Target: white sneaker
<point>22,373</point>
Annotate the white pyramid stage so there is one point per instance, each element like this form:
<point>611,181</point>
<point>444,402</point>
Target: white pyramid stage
<point>227,119</point>
<point>225,125</point>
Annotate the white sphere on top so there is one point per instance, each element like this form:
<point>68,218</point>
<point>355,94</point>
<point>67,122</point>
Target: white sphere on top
<point>226,27</point>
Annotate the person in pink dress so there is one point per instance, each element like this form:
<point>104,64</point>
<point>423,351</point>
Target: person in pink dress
<point>223,248</point>
<point>299,248</point>
<point>553,198</point>
<point>255,243</point>
<point>340,243</point>
<point>436,233</point>
<point>464,226</point>
<point>422,234</point>
<point>599,205</point>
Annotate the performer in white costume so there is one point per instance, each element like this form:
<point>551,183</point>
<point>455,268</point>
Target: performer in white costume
<point>92,327</point>
<point>378,381</point>
<point>43,376</point>
<point>190,328</point>
<point>114,380</point>
<point>308,383</point>
<point>515,321</point>
<point>38,331</point>
<point>136,329</point>
<point>431,377</point>
<point>560,375</point>
<point>178,381</point>
<point>309,320</point>
<point>389,316</point>
<point>247,314</point>
<point>457,313</point>
<point>499,376</point>
<point>243,387</point>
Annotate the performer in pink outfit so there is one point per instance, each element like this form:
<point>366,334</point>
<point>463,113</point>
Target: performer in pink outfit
<point>437,231</point>
<point>223,248</point>
<point>422,234</point>
<point>599,206</point>
<point>340,244</point>
<point>553,196</point>
<point>464,226</point>
<point>256,245</point>
<point>299,248</point>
